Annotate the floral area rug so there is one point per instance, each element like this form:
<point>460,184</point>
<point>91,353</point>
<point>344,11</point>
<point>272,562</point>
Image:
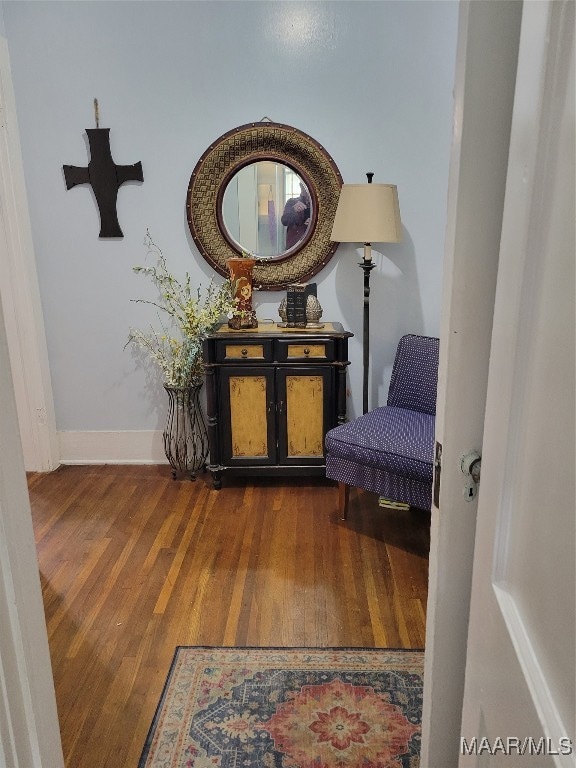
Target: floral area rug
<point>288,708</point>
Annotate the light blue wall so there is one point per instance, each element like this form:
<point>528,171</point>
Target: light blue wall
<point>371,81</point>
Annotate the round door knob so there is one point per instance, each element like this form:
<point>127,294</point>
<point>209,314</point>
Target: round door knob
<point>306,351</point>
<point>244,352</point>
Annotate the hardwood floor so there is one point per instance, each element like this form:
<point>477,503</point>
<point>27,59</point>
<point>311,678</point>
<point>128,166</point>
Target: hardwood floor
<point>133,564</point>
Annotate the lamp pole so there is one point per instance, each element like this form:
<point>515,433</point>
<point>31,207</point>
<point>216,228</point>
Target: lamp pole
<point>367,265</point>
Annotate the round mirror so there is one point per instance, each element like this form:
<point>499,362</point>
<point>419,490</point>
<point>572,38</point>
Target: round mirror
<point>267,209</point>
<point>272,191</point>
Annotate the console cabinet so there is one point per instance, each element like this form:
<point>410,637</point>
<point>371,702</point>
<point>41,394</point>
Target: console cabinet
<point>272,394</point>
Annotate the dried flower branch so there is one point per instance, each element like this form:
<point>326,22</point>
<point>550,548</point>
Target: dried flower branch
<point>177,349</point>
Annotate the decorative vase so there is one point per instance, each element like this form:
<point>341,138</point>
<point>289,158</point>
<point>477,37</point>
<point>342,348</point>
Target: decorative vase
<point>313,310</point>
<point>242,281</point>
<point>185,434</point>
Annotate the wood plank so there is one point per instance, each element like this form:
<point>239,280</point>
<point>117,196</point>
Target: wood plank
<point>134,563</point>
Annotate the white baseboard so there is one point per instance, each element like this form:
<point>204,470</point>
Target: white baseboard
<point>134,447</point>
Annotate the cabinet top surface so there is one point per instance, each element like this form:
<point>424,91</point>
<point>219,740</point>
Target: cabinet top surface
<point>273,329</point>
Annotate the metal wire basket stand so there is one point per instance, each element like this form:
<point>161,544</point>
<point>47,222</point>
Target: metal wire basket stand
<point>185,435</point>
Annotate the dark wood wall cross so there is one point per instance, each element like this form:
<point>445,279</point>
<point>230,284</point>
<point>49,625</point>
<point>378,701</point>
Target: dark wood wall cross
<point>104,176</point>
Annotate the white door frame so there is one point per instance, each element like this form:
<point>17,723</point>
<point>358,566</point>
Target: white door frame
<point>29,730</point>
<point>20,294</point>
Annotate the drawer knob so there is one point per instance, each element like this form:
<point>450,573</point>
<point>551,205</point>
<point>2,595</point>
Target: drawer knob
<point>306,351</point>
<point>244,352</point>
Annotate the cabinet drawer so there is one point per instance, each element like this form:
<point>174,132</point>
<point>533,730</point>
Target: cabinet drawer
<point>248,351</point>
<point>296,350</point>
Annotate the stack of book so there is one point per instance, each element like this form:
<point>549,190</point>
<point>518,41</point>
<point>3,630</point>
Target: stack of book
<point>296,298</point>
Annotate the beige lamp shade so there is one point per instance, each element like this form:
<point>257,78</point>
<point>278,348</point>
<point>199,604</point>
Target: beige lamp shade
<point>367,213</point>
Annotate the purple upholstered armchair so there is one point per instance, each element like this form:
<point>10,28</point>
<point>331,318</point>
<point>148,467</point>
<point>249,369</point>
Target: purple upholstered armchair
<point>390,450</point>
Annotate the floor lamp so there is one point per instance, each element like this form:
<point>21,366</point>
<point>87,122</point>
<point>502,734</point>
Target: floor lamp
<point>367,213</point>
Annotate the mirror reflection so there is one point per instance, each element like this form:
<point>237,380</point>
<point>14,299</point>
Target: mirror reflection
<point>267,209</point>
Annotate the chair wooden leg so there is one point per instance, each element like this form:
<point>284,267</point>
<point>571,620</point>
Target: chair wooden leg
<point>343,498</point>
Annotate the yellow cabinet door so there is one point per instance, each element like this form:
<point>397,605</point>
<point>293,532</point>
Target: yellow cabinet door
<point>248,416</point>
<point>304,396</point>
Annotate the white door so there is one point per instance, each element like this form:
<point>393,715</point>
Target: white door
<point>519,699</point>
<point>537,219</point>
<point>486,63</point>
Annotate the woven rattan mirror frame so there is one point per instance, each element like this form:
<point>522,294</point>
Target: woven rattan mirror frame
<point>242,146</point>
